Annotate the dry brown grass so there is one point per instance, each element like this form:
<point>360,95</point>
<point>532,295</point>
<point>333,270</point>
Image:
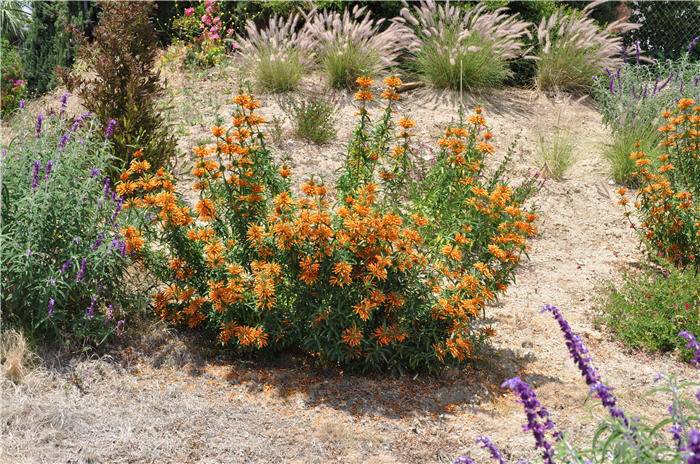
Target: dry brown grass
<point>17,361</point>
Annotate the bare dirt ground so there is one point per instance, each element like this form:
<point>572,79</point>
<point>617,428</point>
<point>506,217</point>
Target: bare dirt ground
<point>164,399</point>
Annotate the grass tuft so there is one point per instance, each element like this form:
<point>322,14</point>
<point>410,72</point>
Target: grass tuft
<point>17,360</point>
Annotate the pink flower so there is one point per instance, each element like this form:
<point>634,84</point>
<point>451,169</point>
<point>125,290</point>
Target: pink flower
<point>189,11</point>
<point>229,31</point>
<point>214,28</point>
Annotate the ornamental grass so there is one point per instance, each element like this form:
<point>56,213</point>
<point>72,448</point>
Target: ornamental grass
<point>470,47</point>
<point>353,44</point>
<point>365,282</point>
<point>572,48</point>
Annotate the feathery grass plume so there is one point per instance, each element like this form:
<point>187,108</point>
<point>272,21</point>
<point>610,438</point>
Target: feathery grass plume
<point>352,45</point>
<point>443,36</point>
<point>573,48</point>
<point>278,53</point>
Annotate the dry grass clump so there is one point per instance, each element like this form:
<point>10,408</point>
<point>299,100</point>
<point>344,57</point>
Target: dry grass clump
<point>16,358</point>
<point>352,45</point>
<point>278,53</point>
<point>472,45</point>
<point>572,49</point>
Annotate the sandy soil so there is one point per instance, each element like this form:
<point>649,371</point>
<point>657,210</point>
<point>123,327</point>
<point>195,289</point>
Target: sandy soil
<point>164,399</point>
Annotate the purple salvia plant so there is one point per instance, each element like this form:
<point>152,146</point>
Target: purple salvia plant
<point>110,129</point>
<point>533,411</point>
<point>64,140</point>
<point>579,353</point>
<point>666,82</point>
<point>47,169</point>
<point>692,44</point>
<point>495,452</point>
<point>624,53</point>
<point>693,457</point>
<point>81,271</point>
<point>39,119</point>
<point>35,179</point>
<point>66,265</point>
<point>693,345</point>
<point>50,311</point>
<point>91,309</point>
<point>464,460</point>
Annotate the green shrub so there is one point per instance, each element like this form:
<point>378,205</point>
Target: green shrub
<point>350,45</point>
<point>651,306</point>
<point>12,84</point>
<point>63,254</point>
<point>125,86</point>
<point>312,112</point>
<point>572,48</point>
<point>469,47</point>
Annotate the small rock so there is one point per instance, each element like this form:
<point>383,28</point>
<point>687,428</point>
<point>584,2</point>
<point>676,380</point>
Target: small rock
<point>611,182</point>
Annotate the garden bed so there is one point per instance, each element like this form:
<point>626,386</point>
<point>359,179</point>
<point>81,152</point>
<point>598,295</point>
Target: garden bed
<point>165,400</point>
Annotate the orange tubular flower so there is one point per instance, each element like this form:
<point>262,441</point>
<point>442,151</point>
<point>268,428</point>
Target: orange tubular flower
<point>392,81</point>
<point>364,81</point>
<point>364,95</point>
<point>205,209</point>
<point>218,131</point>
<point>406,123</point>
<point>352,337</point>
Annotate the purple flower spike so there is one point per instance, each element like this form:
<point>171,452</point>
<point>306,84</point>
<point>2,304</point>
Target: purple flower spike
<point>81,271</point>
<point>64,140</point>
<point>624,54</point>
<point>39,119</point>
<point>579,353</point>
<point>611,85</point>
<point>110,129</point>
<point>91,309</point>
<point>47,168</point>
<point>35,179</point>
<point>495,452</point>
<point>51,303</point>
<point>533,410</point>
<point>636,47</point>
<point>692,44</point>
<point>94,172</point>
<point>693,345</point>
<point>464,460</point>
<point>64,97</point>
<point>66,265</point>
<point>693,447</point>
<point>21,104</point>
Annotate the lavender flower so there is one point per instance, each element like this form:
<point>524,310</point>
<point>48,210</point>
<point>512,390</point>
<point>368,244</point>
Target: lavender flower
<point>676,430</point>
<point>464,460</point>
<point>64,97</point>
<point>51,303</point>
<point>91,309</point>
<point>66,265</point>
<point>94,172</point>
<point>533,410</point>
<point>579,353</point>
<point>47,168</point>
<point>611,85</point>
<point>81,271</point>
<point>666,82</point>
<point>35,179</point>
<point>692,44</point>
<point>110,314</point>
<point>495,452</point>
<point>694,447</point>
<point>39,119</point>
<point>110,129</point>
<point>21,104</point>
<point>624,54</point>
<point>64,140</point>
<point>636,47</point>
<point>693,345</point>
<point>76,240</point>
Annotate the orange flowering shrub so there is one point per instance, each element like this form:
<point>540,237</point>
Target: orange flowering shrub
<point>366,283</point>
<point>667,197</point>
